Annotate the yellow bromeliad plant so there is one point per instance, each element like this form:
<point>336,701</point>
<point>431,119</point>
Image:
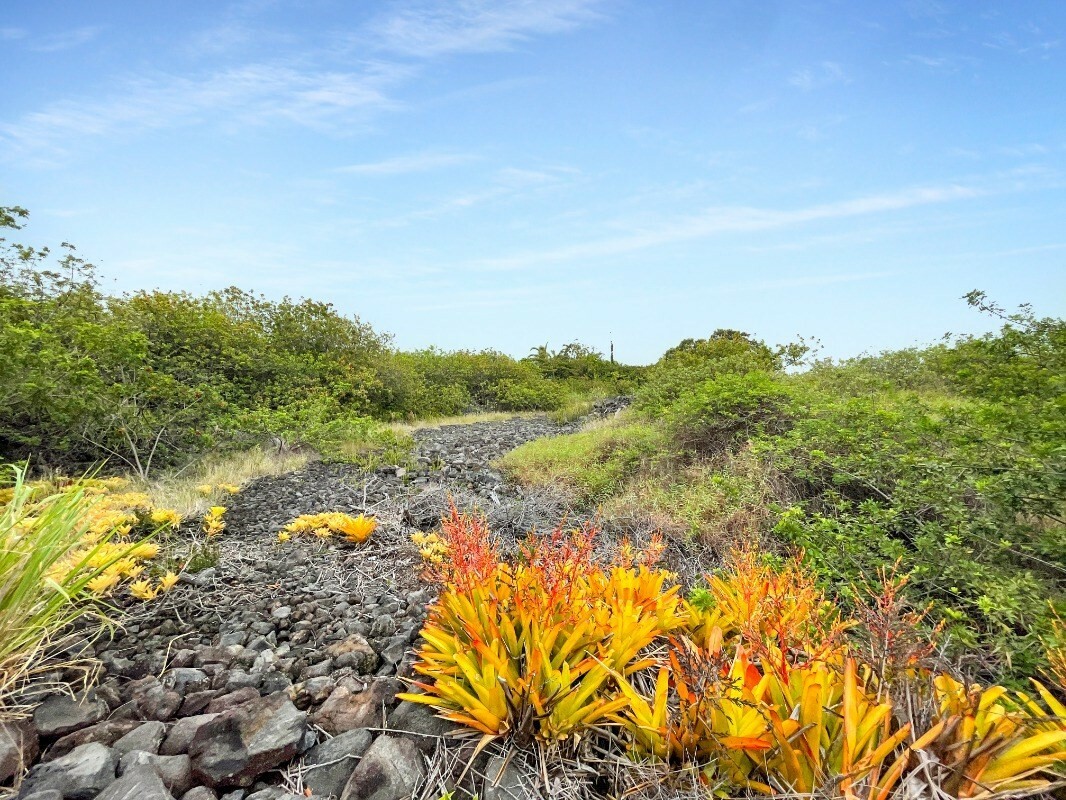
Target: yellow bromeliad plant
<point>352,529</point>
<point>990,740</point>
<point>751,680</point>
<point>533,649</point>
<point>214,522</point>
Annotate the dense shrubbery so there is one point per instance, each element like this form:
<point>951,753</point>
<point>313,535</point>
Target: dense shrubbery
<point>151,378</point>
<point>949,460</point>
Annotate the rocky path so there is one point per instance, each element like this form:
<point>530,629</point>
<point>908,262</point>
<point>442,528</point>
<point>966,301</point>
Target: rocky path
<point>274,672</point>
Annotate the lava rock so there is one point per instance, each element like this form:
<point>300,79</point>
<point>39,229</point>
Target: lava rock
<point>200,793</point>
<point>61,713</point>
<point>232,700</point>
<point>139,783</point>
<point>182,733</point>
<point>506,780</point>
<point>345,710</point>
<point>79,775</point>
<point>146,738</point>
<point>239,744</point>
<point>175,771</point>
<point>391,769</point>
<point>328,766</point>
<point>105,733</point>
<point>420,724</point>
<point>355,652</point>
<point>19,747</point>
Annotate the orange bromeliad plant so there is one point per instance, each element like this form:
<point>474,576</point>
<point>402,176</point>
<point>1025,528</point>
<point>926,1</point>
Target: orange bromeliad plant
<point>531,649</point>
<point>751,680</point>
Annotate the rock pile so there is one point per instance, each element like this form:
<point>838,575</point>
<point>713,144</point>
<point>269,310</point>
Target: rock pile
<point>275,671</point>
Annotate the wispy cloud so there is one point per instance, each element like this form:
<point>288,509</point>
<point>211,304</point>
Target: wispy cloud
<point>10,34</point>
<point>733,219</point>
<point>254,93</point>
<point>430,29</point>
<point>824,74</point>
<point>507,184</point>
<point>55,42</point>
<point>306,88</point>
<point>415,162</point>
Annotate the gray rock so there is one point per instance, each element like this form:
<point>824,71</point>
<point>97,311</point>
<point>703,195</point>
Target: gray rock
<point>328,766</point>
<point>196,702</point>
<point>79,775</point>
<point>394,651</point>
<point>391,769</point>
<point>270,793</point>
<point>274,682</point>
<point>61,713</point>
<point>345,710</point>
<point>138,783</point>
<point>239,679</point>
<point>106,733</point>
<point>175,771</point>
<point>200,793</point>
<point>239,744</point>
<point>312,692</point>
<point>219,655</point>
<point>44,794</point>
<point>319,670</point>
<point>356,653</point>
<point>19,747</point>
<point>146,737</point>
<point>182,733</point>
<point>153,700</point>
<point>420,724</point>
<point>506,780</point>
<point>232,700</point>
<point>186,679</point>
<point>198,579</point>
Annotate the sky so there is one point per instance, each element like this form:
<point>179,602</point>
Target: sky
<point>473,174</point>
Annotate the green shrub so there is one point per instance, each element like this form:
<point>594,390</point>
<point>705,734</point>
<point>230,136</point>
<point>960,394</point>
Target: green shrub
<point>721,413</point>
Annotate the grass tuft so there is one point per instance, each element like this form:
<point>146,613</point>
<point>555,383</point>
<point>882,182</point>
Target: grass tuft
<point>184,493</point>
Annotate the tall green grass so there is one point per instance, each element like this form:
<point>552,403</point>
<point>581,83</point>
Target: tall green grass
<point>37,604</point>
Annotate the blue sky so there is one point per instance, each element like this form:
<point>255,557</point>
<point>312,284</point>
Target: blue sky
<point>471,174</point>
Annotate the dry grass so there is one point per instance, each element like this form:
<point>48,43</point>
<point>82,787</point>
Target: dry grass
<point>406,428</point>
<point>181,491</point>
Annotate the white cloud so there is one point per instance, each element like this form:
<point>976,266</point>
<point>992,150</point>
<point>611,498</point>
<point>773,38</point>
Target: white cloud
<point>734,219</point>
<point>432,29</point>
<point>415,162</point>
<point>825,74</point>
<point>66,40</point>
<point>302,90</point>
<point>10,34</point>
<point>253,93</point>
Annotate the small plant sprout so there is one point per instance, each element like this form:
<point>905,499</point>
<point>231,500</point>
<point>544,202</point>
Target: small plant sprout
<point>213,523</point>
<point>168,581</point>
<point>143,590</point>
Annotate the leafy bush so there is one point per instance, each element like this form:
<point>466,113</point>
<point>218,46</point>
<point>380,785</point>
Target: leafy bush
<point>721,413</point>
<point>534,395</point>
